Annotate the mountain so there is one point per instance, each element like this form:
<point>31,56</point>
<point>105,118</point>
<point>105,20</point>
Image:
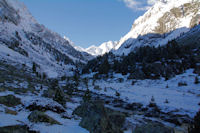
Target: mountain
<point>152,89</point>
<point>163,22</point>
<point>102,49</point>
<point>23,40</point>
<point>95,50</point>
<point>87,55</point>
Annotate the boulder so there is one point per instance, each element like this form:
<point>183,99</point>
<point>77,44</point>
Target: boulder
<point>11,112</point>
<point>153,128</point>
<point>10,100</point>
<point>52,107</point>
<point>16,129</point>
<point>37,116</point>
<point>98,119</point>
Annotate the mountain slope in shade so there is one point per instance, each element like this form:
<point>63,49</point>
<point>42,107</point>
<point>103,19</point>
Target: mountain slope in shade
<point>86,55</point>
<point>23,40</point>
<point>165,21</point>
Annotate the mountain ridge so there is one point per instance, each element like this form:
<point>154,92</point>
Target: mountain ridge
<point>163,17</point>
<point>21,33</point>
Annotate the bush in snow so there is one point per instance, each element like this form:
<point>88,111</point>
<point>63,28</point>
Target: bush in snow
<point>63,78</point>
<point>152,102</point>
<point>117,94</point>
<point>196,80</point>
<point>166,101</point>
<point>34,67</point>
<point>133,82</point>
<point>60,97</point>
<point>87,96</point>
<point>97,88</point>
<point>44,76</point>
<point>69,89</point>
<point>167,86</point>
<point>182,84</point>
<point>121,80</point>
<point>85,81</point>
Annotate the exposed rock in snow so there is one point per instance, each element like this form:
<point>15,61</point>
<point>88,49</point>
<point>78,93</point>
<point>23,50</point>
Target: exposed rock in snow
<point>165,21</point>
<point>26,41</point>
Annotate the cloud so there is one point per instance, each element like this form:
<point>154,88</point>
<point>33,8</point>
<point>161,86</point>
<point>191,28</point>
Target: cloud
<point>151,2</point>
<point>139,4</point>
<point>133,4</point>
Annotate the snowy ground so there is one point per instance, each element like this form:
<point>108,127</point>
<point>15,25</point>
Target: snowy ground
<point>68,125</point>
<point>183,98</point>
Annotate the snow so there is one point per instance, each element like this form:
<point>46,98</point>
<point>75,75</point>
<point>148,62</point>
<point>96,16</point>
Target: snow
<point>105,47</point>
<point>67,125</point>
<point>70,126</point>
<point>27,20</point>
<point>9,120</point>
<point>149,21</point>
<point>36,53</point>
<point>185,98</point>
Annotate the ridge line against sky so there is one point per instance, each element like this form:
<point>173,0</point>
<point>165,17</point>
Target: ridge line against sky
<point>88,22</point>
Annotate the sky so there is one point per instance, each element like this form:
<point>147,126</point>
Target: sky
<point>88,22</point>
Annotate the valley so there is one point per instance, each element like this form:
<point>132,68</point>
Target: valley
<point>147,82</point>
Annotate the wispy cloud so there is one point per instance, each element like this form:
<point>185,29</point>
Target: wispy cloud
<point>151,2</point>
<point>139,4</point>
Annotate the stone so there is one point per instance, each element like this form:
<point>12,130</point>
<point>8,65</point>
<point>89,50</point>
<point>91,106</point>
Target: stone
<point>98,119</point>
<point>16,129</point>
<point>8,111</point>
<point>37,116</point>
<point>54,108</point>
<point>10,100</point>
<point>152,128</point>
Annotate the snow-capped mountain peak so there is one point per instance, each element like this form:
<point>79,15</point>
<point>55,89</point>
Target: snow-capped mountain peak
<point>93,50</point>
<point>102,49</point>
<point>164,21</point>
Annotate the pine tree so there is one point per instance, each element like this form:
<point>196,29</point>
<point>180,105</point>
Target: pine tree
<point>117,94</point>
<point>60,97</point>
<point>152,102</point>
<point>87,96</point>
<point>34,67</point>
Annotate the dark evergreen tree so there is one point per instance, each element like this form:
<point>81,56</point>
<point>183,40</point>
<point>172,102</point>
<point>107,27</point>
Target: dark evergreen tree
<point>60,97</point>
<point>117,94</point>
<point>196,80</point>
<point>34,67</point>
<point>87,96</point>
<point>104,67</point>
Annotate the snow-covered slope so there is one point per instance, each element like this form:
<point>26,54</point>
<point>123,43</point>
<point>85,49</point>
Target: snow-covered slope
<point>165,21</point>
<point>102,49</point>
<point>86,55</point>
<point>25,41</point>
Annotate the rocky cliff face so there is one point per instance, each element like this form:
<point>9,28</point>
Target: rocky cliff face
<point>165,21</point>
<point>26,41</point>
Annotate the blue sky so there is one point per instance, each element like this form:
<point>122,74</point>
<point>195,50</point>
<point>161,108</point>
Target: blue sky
<point>87,22</point>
